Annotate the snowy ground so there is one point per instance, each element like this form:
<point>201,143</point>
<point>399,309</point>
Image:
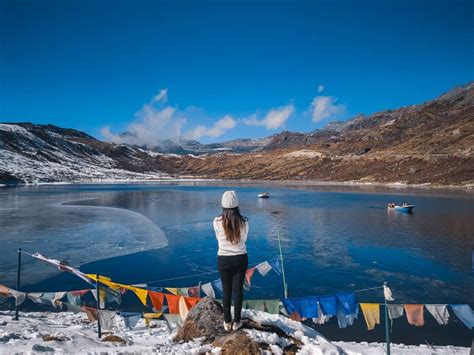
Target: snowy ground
<point>75,334</point>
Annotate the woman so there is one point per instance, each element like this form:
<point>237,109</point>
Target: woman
<point>231,232</point>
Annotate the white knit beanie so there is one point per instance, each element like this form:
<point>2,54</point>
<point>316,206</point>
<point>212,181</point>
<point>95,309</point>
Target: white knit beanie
<point>229,199</point>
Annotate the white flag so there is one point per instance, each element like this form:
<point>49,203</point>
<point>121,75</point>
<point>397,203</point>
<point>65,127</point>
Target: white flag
<point>439,312</point>
<point>387,293</point>
<point>208,290</point>
<point>264,268</point>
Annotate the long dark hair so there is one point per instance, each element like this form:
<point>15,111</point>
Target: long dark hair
<point>232,221</point>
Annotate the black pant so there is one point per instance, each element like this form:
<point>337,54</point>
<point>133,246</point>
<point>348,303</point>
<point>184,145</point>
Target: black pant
<point>232,269</point>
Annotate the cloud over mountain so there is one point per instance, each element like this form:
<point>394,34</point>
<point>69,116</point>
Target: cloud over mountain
<point>275,118</point>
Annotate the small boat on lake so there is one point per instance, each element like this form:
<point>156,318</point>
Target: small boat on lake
<point>401,208</point>
<point>264,195</point>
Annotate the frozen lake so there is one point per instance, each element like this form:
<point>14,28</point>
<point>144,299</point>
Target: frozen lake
<point>333,238</point>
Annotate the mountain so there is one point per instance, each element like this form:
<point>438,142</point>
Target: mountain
<point>47,153</point>
<point>428,143</point>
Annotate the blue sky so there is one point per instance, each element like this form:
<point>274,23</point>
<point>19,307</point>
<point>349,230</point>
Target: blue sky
<point>218,70</point>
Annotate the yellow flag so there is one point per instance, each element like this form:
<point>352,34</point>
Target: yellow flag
<point>173,290</point>
<point>371,314</point>
<point>140,292</point>
<point>101,278</point>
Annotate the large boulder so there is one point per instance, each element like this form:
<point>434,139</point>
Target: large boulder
<point>205,320</point>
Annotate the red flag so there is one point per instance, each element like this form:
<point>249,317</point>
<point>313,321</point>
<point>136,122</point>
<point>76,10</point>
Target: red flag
<point>157,299</point>
<point>173,303</point>
<point>248,275</point>
<point>191,301</point>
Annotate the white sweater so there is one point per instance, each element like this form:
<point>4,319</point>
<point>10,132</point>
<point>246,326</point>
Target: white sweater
<point>225,247</point>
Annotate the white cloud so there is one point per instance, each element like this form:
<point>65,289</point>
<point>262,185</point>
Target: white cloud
<point>158,121</point>
<point>162,96</point>
<point>320,88</point>
<point>274,118</point>
<point>216,130</point>
<point>153,123</point>
<point>324,107</point>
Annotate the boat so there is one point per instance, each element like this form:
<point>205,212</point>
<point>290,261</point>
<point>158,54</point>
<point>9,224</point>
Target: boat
<point>264,195</point>
<point>402,208</point>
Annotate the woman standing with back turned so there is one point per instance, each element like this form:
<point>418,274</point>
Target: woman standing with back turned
<point>231,232</point>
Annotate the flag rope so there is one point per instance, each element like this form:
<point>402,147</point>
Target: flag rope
<point>209,273</point>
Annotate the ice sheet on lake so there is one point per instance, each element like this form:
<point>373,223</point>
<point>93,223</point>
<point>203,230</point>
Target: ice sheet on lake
<point>78,234</point>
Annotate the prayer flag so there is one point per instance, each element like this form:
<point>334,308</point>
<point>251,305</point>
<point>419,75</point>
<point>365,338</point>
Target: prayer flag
<point>173,290</point>
<point>73,299</point>
<point>464,313</point>
<point>347,302</point>
<point>79,292</point>
<point>193,291</point>
<point>208,290</point>
<point>371,314</point>
<point>218,285</point>
<point>414,314</point>
<point>91,313</point>
<point>18,295</point>
<point>248,275</point>
<point>157,299</point>
<point>36,297</point>
<point>276,265</point>
<point>130,319</point>
<point>112,295</point>
<point>191,301</point>
<point>63,266</point>
<point>328,305</point>
<point>344,319</point>
<point>183,291</point>
<point>141,293</point>
<point>107,319</point>
<point>272,306</point>
<point>394,311</point>
<point>263,268</point>
<point>173,303</point>
<point>306,307</point>
<point>183,309</point>
<point>387,293</point>
<point>321,318</point>
<point>439,312</point>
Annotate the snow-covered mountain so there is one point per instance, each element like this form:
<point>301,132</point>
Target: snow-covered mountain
<point>46,153</point>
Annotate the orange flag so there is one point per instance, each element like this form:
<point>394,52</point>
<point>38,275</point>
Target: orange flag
<point>248,275</point>
<point>91,313</point>
<point>191,301</point>
<point>173,303</point>
<point>415,314</point>
<point>157,299</point>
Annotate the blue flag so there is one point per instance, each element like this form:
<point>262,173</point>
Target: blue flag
<point>276,265</point>
<point>218,285</point>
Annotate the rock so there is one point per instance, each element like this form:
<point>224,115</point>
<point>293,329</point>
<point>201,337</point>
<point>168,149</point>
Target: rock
<point>53,337</point>
<point>204,320</point>
<point>236,343</point>
<point>114,339</point>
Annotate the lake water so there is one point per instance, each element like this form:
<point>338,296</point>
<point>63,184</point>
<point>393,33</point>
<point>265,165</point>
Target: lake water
<point>334,238</point>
